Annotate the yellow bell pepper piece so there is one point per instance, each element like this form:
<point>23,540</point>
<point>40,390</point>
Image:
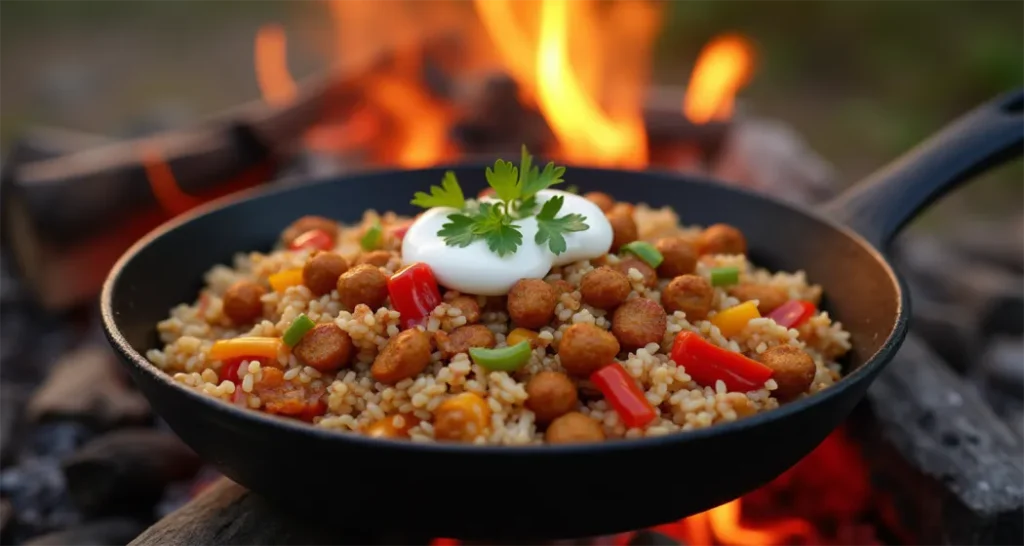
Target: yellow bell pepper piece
<point>281,281</point>
<point>521,334</point>
<point>734,319</point>
<point>241,347</point>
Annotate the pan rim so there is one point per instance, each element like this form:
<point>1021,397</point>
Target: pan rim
<point>284,425</point>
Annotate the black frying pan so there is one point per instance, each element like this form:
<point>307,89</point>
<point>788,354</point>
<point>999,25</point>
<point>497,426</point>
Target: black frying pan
<point>549,491</point>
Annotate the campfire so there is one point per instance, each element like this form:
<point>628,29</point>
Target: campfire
<point>421,84</point>
<point>554,75</point>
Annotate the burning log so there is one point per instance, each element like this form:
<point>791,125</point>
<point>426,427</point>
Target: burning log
<point>127,469</point>
<point>952,466</point>
<point>68,217</point>
<point>104,531</point>
<point>39,143</point>
<point>227,513</point>
<point>496,122</point>
<point>651,538</point>
<point>87,386</point>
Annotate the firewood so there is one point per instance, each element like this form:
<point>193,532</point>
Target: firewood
<point>104,531</point>
<point>68,218</point>
<point>227,513</point>
<point>953,467</point>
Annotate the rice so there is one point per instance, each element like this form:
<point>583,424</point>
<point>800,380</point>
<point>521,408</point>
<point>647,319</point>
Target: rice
<point>354,401</point>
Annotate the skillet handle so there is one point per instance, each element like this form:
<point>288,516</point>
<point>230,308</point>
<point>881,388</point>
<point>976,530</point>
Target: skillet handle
<point>879,206</point>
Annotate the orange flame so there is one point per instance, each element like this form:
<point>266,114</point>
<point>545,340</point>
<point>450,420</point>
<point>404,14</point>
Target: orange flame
<point>569,88</point>
<point>730,531</point>
<point>272,75</point>
<point>165,187</point>
<point>422,125</point>
<point>583,64</point>
<point>585,132</point>
<point>419,123</point>
<point>514,43</point>
<point>724,66</point>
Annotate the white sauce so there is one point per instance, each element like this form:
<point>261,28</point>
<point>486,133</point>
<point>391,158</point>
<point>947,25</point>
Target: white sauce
<point>476,270</point>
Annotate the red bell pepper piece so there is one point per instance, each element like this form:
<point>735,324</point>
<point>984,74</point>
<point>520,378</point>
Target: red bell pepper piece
<point>230,367</point>
<point>706,363</point>
<point>793,313</point>
<point>485,193</point>
<point>229,370</point>
<point>414,293</point>
<point>317,239</point>
<point>624,395</point>
<point>313,409</point>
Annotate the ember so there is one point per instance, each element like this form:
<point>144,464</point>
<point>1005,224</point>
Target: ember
<point>825,499</point>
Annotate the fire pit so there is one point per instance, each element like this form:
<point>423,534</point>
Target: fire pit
<point>932,457</point>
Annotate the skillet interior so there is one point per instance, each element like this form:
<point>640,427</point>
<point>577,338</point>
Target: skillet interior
<point>701,469</point>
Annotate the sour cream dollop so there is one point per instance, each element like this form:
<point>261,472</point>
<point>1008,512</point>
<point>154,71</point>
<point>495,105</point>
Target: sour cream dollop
<point>476,270</point>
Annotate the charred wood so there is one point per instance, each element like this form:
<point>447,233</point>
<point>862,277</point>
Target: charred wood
<point>227,513</point>
<point>67,218</point>
<point>101,532</point>
<point>953,467</point>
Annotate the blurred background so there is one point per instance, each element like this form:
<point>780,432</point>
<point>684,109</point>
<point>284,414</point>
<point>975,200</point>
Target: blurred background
<point>862,81</point>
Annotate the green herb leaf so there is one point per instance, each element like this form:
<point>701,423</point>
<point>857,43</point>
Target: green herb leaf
<point>505,239</point>
<point>488,218</point>
<point>552,230</point>
<point>494,222</point>
<point>527,207</point>
<point>459,231</point>
<point>526,168</point>
<point>449,194</point>
<point>537,181</point>
<point>504,178</point>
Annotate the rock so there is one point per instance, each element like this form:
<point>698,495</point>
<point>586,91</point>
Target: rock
<point>948,276</point>
<point>127,468</point>
<point>948,330</point>
<point>6,518</point>
<point>12,403</point>
<point>38,496</point>
<point>55,440</point>
<point>86,385</point>
<point>996,242</point>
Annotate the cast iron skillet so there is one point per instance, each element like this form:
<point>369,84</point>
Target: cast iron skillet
<point>549,491</point>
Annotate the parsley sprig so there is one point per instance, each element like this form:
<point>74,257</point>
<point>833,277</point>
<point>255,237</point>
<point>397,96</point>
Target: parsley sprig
<point>494,222</point>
